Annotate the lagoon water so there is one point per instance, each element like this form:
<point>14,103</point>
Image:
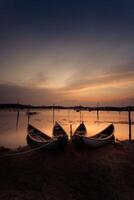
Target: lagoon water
<point>43,120</point>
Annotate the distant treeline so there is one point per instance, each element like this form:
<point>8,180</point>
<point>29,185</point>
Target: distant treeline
<point>77,108</point>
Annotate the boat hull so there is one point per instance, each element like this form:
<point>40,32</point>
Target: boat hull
<point>60,134</point>
<point>77,136</point>
<point>50,145</point>
<point>77,140</point>
<point>104,137</point>
<point>94,143</point>
<point>36,138</point>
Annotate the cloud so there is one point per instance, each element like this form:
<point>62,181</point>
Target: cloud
<point>82,81</point>
<point>64,76</point>
<point>9,93</point>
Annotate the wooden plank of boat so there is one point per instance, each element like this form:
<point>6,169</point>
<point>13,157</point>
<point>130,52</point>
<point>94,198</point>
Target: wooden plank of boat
<point>79,132</point>
<point>37,138</point>
<point>81,129</point>
<point>60,134</point>
<point>104,137</point>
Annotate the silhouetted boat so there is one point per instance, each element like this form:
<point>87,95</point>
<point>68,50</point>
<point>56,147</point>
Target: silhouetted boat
<point>104,137</point>
<point>79,132</point>
<point>37,138</point>
<point>60,134</point>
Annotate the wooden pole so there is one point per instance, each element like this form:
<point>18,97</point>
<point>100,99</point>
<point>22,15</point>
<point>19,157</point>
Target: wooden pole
<point>28,115</point>
<point>70,130</point>
<point>53,115</point>
<point>129,121</point>
<point>28,118</point>
<point>17,121</point>
<point>97,111</point>
<point>18,114</point>
<point>80,116</point>
<point>97,115</point>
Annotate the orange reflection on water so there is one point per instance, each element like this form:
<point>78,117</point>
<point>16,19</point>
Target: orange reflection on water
<point>10,137</point>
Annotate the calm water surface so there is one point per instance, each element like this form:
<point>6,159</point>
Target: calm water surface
<point>12,138</point>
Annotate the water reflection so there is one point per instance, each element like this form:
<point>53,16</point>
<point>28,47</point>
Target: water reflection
<point>10,137</point>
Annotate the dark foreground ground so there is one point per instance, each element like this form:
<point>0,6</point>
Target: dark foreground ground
<point>106,173</point>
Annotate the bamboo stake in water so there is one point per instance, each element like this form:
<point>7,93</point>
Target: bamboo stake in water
<point>97,111</point>
<point>129,121</point>
<point>18,114</point>
<point>53,115</point>
<point>17,121</point>
<point>70,130</point>
<point>80,115</point>
<point>28,118</point>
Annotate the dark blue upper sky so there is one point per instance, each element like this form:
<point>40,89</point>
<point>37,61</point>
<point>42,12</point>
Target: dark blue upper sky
<point>42,39</point>
<point>61,18</point>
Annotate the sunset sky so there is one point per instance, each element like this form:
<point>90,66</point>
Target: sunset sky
<point>67,52</point>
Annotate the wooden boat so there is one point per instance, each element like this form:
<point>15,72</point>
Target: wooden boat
<point>104,137</point>
<point>60,134</point>
<point>37,138</point>
<point>79,132</point>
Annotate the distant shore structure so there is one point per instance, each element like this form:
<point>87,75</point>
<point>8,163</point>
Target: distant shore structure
<point>76,108</point>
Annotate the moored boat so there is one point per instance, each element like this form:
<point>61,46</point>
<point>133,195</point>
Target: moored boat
<point>78,134</point>
<point>60,134</point>
<point>104,137</point>
<point>37,138</point>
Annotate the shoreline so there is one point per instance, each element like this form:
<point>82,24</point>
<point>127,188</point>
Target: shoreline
<point>18,106</point>
<point>103,173</point>
<point>4,149</point>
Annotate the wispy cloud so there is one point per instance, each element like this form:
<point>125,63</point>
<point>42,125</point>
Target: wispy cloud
<point>10,92</point>
<point>85,81</point>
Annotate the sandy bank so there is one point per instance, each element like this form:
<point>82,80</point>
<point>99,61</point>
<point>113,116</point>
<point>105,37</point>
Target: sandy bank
<point>104,173</point>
